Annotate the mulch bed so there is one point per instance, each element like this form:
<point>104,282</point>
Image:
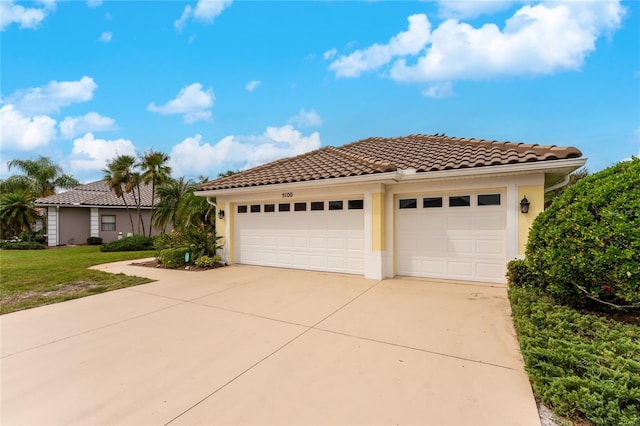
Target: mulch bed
<point>156,264</point>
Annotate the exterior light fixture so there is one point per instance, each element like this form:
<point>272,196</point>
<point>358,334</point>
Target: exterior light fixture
<point>524,205</point>
<point>221,214</point>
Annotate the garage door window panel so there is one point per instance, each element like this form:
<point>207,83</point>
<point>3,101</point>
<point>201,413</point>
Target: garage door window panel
<point>431,202</point>
<point>317,205</point>
<point>489,200</point>
<point>284,207</point>
<point>460,201</point>
<point>409,203</point>
<point>356,204</point>
<point>300,207</point>
<point>255,208</point>
<point>242,209</point>
<point>269,208</point>
<point>335,205</point>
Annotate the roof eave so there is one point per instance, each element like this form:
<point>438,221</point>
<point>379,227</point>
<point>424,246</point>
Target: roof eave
<point>562,166</point>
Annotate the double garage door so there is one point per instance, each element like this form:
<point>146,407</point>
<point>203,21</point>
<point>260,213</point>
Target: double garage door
<point>458,236</point>
<point>452,236</point>
<point>313,235</point>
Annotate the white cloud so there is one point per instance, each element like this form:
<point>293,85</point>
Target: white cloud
<point>193,156</point>
<point>91,122</point>
<point>439,90</point>
<point>409,42</point>
<point>22,132</point>
<point>105,37</point>
<point>306,119</point>
<point>205,12</point>
<point>540,38</point>
<point>329,54</point>
<point>91,154</point>
<point>94,3</point>
<point>51,97</point>
<point>192,102</point>
<point>252,85</point>
<point>25,17</point>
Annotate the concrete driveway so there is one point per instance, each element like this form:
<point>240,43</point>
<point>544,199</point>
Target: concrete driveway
<point>252,345</point>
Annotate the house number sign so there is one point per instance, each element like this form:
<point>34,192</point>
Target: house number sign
<point>287,194</point>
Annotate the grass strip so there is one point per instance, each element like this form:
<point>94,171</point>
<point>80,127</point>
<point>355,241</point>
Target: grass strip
<point>40,277</point>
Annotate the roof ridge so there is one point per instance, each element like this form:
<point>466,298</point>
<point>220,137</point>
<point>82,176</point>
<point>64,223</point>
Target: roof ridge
<point>378,165</point>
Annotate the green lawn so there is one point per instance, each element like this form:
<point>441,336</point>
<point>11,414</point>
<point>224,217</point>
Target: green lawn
<point>30,278</point>
<point>584,366</point>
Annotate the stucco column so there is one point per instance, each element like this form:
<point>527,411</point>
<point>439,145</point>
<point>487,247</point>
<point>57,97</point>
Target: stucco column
<point>374,231</point>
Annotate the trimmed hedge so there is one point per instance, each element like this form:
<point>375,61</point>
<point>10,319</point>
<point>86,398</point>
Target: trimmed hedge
<point>583,366</point>
<point>133,243</point>
<point>173,257</point>
<point>22,245</point>
<point>94,241</point>
<point>585,248</point>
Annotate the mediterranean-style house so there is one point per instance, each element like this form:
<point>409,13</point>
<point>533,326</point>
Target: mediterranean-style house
<point>420,205</point>
<point>92,210</point>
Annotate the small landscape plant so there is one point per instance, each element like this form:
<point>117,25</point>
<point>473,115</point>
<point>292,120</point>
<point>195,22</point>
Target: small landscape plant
<point>173,257</point>
<point>202,240</point>
<point>133,243</point>
<point>94,241</point>
<point>207,261</point>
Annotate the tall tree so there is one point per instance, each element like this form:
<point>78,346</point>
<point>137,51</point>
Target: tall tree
<point>155,171</point>
<point>17,212</point>
<point>43,175</point>
<point>115,179</point>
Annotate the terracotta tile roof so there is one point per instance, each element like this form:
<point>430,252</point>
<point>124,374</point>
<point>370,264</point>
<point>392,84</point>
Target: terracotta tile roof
<point>95,194</point>
<point>425,153</point>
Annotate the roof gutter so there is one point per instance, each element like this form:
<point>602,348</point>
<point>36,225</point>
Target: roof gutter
<point>410,175</point>
<point>564,182</point>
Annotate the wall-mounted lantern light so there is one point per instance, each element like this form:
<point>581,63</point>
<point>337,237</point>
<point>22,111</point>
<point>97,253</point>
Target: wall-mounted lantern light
<point>524,205</point>
<point>221,214</point>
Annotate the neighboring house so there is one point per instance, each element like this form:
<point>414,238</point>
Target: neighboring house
<point>421,205</point>
<point>92,210</point>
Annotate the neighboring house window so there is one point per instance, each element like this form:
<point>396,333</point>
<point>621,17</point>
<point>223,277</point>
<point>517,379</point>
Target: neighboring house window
<point>108,222</point>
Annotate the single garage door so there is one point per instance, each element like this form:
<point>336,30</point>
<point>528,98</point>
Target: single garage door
<point>452,236</point>
<point>313,235</point>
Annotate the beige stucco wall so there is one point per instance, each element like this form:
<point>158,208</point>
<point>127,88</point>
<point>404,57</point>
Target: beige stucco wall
<point>74,225</point>
<point>123,224</point>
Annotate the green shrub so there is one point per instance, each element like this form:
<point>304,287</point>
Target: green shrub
<point>585,248</point>
<point>202,240</point>
<point>583,366</point>
<point>173,257</point>
<point>22,245</point>
<point>164,241</point>
<point>133,243</point>
<point>519,274</point>
<point>94,241</point>
<point>207,261</point>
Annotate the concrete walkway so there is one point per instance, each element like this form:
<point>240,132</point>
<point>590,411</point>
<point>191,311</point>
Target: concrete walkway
<point>252,345</point>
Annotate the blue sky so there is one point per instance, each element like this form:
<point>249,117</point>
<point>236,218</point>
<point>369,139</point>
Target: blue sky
<point>223,85</point>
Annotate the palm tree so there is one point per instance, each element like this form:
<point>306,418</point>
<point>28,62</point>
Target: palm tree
<point>194,210</point>
<point>43,175</point>
<point>17,212</point>
<point>171,195</point>
<point>125,166</point>
<point>154,170</point>
<point>114,178</point>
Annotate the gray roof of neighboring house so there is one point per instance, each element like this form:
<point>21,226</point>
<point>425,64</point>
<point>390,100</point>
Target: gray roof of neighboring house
<point>95,194</point>
<point>425,153</point>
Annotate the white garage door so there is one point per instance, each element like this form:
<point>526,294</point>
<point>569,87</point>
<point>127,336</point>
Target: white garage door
<point>313,235</point>
<point>459,236</point>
